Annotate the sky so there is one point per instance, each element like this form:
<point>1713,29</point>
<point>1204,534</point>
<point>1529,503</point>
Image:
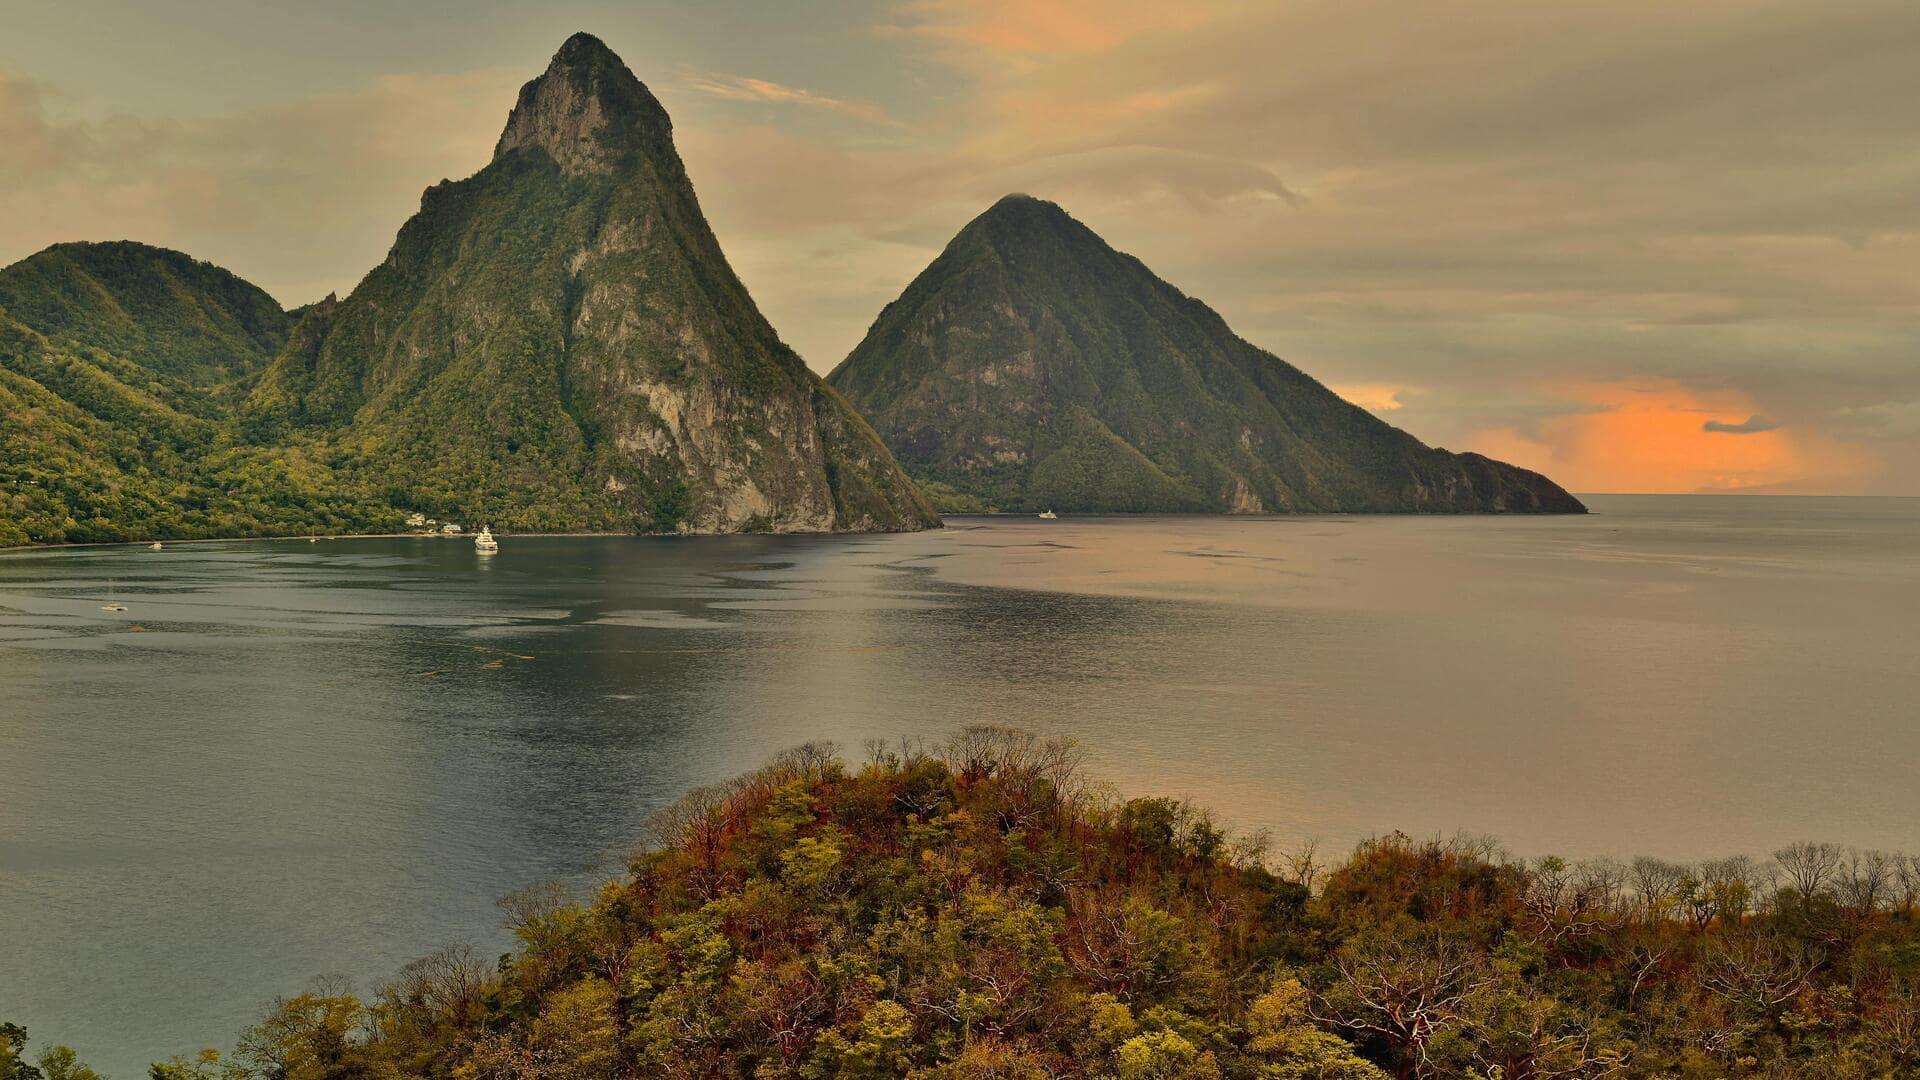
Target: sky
<point>1637,245</point>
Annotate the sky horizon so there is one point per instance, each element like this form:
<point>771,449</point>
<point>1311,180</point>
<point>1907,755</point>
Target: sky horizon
<point>1636,248</point>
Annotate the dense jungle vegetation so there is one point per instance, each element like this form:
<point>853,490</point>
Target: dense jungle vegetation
<point>123,370</point>
<point>985,911</point>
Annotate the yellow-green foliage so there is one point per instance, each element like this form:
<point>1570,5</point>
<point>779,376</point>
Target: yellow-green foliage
<point>982,912</point>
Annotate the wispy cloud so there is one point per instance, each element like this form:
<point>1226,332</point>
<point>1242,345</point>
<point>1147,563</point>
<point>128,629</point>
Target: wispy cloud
<point>257,190</point>
<point>1752,425</point>
<point>746,88</point>
<point>1373,397</point>
<point>1881,420</point>
<point>1045,27</point>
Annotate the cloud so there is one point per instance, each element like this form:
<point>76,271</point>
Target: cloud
<point>1134,174</point>
<point>302,197</point>
<point>1881,420</point>
<point>1044,27</point>
<point>1373,397</point>
<point>1750,426</point>
<point>743,88</point>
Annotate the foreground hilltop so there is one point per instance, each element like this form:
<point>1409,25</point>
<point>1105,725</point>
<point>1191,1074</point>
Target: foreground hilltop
<point>988,913</point>
<point>1032,366</point>
<point>558,342</point>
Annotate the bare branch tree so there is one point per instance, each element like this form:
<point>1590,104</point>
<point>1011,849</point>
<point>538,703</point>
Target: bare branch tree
<point>1756,972</point>
<point>1656,884</point>
<point>1302,864</point>
<point>1809,867</point>
<point>1406,992</point>
<point>1906,872</point>
<point>1562,904</point>
<point>1865,881</point>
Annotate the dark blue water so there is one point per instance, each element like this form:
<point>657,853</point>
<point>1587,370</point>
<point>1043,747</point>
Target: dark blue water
<point>288,760</point>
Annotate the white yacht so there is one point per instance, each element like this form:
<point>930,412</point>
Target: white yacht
<point>1048,515</point>
<point>485,541</point>
<point>156,545</point>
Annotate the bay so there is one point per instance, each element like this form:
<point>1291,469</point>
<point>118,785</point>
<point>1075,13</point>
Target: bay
<point>287,760</point>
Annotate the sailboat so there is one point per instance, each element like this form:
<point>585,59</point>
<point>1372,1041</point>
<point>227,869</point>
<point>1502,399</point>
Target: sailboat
<point>485,541</point>
<point>112,604</point>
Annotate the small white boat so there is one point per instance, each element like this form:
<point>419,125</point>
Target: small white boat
<point>485,541</point>
<point>156,545</point>
<point>112,604</point>
<point>1048,515</point>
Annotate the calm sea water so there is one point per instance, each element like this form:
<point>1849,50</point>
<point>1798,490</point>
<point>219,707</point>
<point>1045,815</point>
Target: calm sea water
<point>289,760</point>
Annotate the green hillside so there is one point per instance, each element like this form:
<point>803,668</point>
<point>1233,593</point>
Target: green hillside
<point>161,309</point>
<point>96,448</point>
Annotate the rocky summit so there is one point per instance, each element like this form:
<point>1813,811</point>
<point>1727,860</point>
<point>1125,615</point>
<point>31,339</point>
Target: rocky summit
<point>558,342</point>
<point>1031,366</point>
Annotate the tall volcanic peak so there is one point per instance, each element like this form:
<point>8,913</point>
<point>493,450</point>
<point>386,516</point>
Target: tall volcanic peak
<point>557,342</point>
<point>1032,366</point>
<point>587,111</point>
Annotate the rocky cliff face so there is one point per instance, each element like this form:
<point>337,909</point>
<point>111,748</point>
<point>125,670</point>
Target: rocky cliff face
<point>1032,366</point>
<point>558,342</point>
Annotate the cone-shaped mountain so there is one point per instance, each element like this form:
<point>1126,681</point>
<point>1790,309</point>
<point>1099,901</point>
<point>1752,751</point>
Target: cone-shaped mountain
<point>1032,366</point>
<point>558,342</point>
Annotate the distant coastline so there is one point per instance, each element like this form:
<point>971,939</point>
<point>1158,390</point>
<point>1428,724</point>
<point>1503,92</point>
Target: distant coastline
<point>991,515</point>
<point>292,537</point>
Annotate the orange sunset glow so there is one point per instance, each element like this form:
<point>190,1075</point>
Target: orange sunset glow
<point>1652,435</point>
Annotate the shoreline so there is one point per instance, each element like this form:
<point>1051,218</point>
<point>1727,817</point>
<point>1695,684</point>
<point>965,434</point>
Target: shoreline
<point>322,537</point>
<point>294,537</point>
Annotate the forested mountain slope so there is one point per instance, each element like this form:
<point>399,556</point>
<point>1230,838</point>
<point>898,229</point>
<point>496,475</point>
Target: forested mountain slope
<point>160,309</point>
<point>1032,366</point>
